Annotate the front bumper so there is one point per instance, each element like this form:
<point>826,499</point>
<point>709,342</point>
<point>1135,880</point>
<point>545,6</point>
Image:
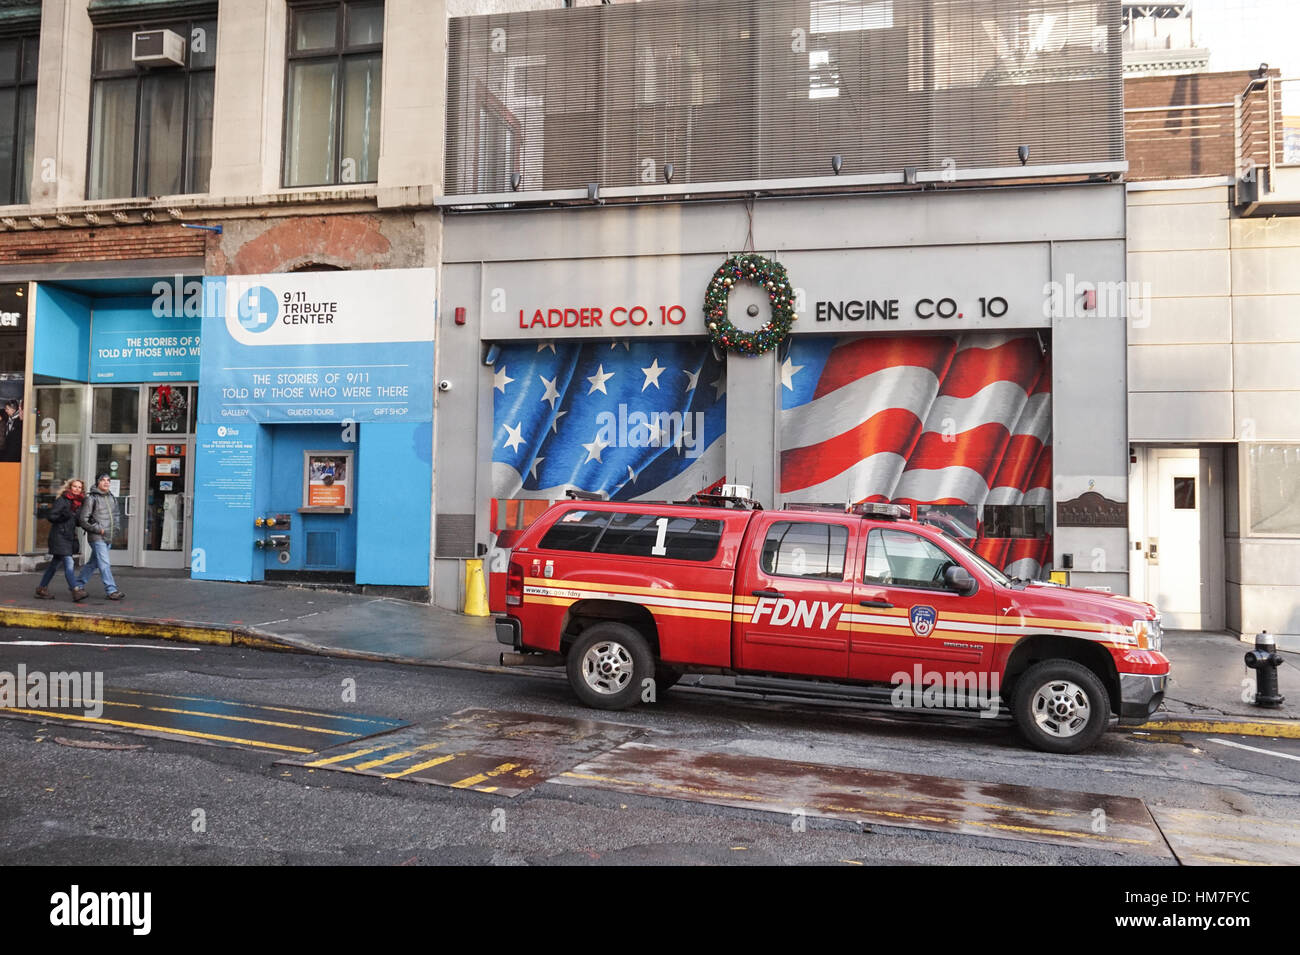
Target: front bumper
<point>510,632</point>
<point>1140,695</point>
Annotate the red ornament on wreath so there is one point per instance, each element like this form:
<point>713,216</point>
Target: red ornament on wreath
<point>167,408</point>
<point>767,274</point>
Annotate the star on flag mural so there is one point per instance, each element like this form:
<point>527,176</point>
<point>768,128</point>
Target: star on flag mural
<point>630,419</point>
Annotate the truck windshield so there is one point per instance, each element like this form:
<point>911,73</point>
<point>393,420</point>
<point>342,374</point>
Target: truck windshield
<point>997,575</point>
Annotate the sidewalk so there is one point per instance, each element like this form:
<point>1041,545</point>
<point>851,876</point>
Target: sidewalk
<point>1206,684</point>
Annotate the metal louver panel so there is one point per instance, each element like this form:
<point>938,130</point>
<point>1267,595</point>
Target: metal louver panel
<point>454,535</point>
<point>734,90</point>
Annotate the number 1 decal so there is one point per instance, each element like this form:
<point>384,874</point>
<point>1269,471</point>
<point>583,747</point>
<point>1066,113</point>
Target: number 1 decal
<point>659,550</point>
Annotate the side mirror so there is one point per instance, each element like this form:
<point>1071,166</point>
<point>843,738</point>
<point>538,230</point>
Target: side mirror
<point>958,579</point>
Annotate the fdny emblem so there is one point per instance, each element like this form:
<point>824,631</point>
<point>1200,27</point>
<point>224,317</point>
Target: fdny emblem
<point>923,620</point>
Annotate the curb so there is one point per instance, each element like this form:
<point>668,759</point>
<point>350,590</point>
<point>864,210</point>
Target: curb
<point>183,631</point>
<point>1284,729</point>
<point>209,634</point>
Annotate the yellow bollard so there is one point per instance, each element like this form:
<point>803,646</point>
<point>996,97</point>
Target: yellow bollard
<point>476,602</point>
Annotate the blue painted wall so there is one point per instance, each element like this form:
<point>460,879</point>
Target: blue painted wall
<point>396,469</point>
<point>232,469</point>
<point>61,348</point>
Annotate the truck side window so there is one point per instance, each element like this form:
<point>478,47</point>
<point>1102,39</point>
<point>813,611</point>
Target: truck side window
<point>797,549</point>
<point>576,530</point>
<point>635,535</point>
<point>657,535</point>
<point>903,559</point>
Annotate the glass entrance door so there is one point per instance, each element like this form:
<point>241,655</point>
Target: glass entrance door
<point>167,495</point>
<point>115,459</point>
<point>142,437</point>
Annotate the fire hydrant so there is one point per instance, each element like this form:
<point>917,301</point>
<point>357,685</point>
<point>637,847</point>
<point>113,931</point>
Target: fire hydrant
<point>1265,660</point>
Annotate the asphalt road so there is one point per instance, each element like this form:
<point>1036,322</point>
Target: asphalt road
<point>149,800</point>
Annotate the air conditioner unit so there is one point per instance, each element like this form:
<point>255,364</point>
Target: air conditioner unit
<point>157,48</point>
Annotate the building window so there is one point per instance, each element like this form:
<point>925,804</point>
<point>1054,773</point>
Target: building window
<point>17,117</point>
<point>151,126</point>
<point>332,95</point>
<point>1273,471</point>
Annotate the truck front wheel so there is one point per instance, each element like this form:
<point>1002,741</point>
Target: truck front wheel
<point>607,665</point>
<point>1061,706</point>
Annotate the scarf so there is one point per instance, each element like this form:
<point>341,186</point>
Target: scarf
<point>76,499</point>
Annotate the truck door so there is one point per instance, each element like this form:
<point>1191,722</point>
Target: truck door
<point>905,615</point>
<point>792,590</point>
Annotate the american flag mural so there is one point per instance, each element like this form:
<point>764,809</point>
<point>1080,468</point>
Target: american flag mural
<point>958,420</point>
<point>632,419</point>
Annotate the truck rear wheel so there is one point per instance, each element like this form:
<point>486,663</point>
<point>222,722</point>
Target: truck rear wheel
<point>607,665</point>
<point>1061,706</point>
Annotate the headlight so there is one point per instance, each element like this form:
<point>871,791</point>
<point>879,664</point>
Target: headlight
<point>1147,634</point>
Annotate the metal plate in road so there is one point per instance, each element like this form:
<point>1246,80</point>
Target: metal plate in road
<point>278,729</point>
<point>491,751</point>
<point>907,800</point>
<point>1199,837</point>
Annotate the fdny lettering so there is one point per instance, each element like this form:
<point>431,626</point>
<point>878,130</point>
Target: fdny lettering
<point>801,613</point>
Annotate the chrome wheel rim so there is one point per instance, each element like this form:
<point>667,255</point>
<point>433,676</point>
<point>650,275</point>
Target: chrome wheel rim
<point>607,667</point>
<point>1061,708</point>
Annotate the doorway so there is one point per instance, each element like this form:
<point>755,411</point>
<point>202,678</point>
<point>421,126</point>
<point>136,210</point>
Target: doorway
<point>1178,535</point>
<point>141,436</point>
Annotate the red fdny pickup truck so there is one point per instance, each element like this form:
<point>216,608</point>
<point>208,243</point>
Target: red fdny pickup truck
<point>631,596</point>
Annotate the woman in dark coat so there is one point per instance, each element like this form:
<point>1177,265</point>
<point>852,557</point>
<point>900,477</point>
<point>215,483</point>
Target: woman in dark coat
<point>64,545</point>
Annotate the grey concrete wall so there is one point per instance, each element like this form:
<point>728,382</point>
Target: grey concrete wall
<point>1216,358</point>
<point>931,243</point>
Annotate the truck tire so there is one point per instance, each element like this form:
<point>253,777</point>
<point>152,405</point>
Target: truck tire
<point>1061,706</point>
<point>607,665</point>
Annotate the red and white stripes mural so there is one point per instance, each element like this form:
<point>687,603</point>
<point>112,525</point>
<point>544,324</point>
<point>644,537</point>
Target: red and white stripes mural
<point>950,420</point>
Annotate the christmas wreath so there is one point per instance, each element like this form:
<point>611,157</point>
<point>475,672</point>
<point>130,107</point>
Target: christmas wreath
<point>167,407</point>
<point>770,276</point>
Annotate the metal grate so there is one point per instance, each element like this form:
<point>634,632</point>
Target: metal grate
<point>455,536</point>
<point>734,90</point>
<point>322,549</point>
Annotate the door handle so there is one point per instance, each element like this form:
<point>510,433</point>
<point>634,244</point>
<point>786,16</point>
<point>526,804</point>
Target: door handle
<point>885,604</point>
<point>768,593</point>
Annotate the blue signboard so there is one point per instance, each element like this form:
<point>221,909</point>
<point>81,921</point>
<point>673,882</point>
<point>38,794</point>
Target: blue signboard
<point>356,346</point>
<point>130,343</point>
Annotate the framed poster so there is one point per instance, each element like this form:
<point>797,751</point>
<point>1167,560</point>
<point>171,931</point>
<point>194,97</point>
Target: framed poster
<point>328,483</point>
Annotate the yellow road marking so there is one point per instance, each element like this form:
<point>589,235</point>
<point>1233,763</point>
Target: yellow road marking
<point>1289,730</point>
<point>420,766</point>
<point>256,706</point>
<point>237,719</point>
<point>330,760</point>
<point>165,729</point>
<point>398,755</point>
<point>484,777</point>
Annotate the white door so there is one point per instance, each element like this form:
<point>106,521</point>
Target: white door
<point>1175,576</point>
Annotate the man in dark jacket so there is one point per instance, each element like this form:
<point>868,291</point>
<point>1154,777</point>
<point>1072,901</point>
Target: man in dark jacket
<point>63,516</point>
<point>99,519</point>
